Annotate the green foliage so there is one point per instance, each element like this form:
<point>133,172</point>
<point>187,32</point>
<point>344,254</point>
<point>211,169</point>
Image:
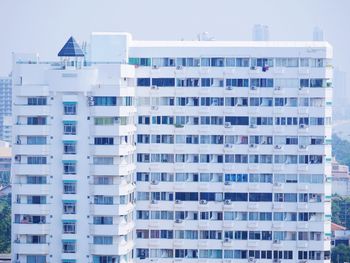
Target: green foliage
<point>341,210</point>
<point>340,254</point>
<point>5,224</point>
<point>341,150</point>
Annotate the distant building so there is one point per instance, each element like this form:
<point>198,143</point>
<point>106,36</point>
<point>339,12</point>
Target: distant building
<point>5,163</point>
<point>340,235</point>
<point>340,179</point>
<point>5,107</point>
<point>260,33</point>
<point>341,95</point>
<point>317,34</point>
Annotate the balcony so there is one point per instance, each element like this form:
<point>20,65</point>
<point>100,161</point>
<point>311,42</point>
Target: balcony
<point>30,169</point>
<point>22,129</point>
<point>29,189</point>
<point>31,249</point>
<point>114,229</point>
<point>118,149</point>
<point>31,229</point>
<point>32,90</point>
<point>112,111</point>
<point>32,110</point>
<point>98,209</point>
<point>120,248</point>
<point>31,209</point>
<point>113,130</point>
<point>29,149</point>
<point>112,170</point>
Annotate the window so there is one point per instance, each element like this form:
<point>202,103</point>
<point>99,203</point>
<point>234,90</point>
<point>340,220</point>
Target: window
<point>36,160</point>
<point>103,240</point>
<point>103,200</point>
<point>69,128</point>
<point>105,101</point>
<point>40,120</point>
<point>69,187</point>
<point>69,147</point>
<point>68,246</point>
<point>69,167</point>
<point>143,82</point>
<point>103,220</point>
<point>36,199</point>
<point>69,227</point>
<point>104,160</point>
<point>69,207</point>
<point>69,108</point>
<point>163,82</point>
<point>36,179</point>
<point>37,101</point>
<point>36,140</point>
<point>106,259</point>
<point>104,141</point>
<point>36,259</point>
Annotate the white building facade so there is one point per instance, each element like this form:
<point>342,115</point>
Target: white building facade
<point>5,108</point>
<point>233,153</point>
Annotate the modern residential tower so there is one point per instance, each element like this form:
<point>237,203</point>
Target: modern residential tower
<point>5,108</point>
<point>232,160</point>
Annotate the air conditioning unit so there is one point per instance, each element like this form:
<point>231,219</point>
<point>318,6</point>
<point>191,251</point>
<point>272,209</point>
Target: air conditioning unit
<point>179,67</point>
<point>154,201</point>
<point>178,221</point>
<point>253,88</point>
<point>154,182</point>
<point>228,145</point>
<point>278,147</point>
<point>203,202</point>
<point>251,259</point>
<point>229,88</point>
<point>155,67</point>
<point>302,146</point>
<point>253,68</point>
<point>178,202</point>
<point>227,202</point>
<point>154,107</point>
<point>252,145</point>
<point>227,124</point>
<point>276,241</point>
<point>227,240</point>
<point>154,87</point>
<point>302,126</point>
<point>228,183</point>
<point>253,126</point>
<point>277,184</point>
<point>277,88</point>
<point>276,260</point>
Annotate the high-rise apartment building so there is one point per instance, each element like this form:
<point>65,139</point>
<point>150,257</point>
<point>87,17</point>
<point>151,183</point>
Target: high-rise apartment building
<point>5,108</point>
<point>233,152</point>
<point>260,33</point>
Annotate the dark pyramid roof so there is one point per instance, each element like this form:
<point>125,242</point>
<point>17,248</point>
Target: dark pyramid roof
<point>71,49</point>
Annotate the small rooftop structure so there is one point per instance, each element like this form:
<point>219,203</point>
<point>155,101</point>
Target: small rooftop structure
<point>336,227</point>
<point>71,49</point>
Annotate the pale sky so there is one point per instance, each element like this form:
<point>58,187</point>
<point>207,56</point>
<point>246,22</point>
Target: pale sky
<point>43,26</point>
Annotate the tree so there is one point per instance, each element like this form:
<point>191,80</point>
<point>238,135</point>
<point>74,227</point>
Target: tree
<point>341,210</point>
<point>340,254</point>
<point>5,224</point>
<point>341,150</point>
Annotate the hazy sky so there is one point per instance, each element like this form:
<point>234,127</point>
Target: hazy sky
<point>43,26</point>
